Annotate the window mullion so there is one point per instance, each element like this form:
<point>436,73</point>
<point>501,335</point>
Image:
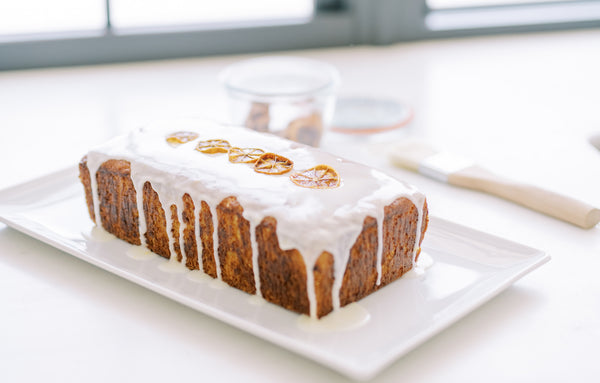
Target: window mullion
<point>108,19</point>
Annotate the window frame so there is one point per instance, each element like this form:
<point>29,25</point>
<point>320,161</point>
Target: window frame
<point>334,23</point>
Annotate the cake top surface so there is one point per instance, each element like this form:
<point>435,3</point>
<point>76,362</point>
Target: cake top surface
<point>327,215</point>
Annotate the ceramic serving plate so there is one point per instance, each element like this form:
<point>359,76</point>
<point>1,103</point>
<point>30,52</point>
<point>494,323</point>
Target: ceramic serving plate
<point>467,268</point>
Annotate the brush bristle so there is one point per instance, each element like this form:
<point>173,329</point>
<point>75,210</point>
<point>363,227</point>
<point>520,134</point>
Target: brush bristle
<point>595,140</point>
<point>409,154</point>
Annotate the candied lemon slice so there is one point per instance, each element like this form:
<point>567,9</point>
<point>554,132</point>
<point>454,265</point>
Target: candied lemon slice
<point>179,138</point>
<point>213,146</point>
<point>244,155</point>
<point>271,163</point>
<point>319,177</point>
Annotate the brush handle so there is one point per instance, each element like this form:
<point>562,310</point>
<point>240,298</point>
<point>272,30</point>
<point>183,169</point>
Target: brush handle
<point>544,201</point>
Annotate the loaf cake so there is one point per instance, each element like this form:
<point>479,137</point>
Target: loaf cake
<point>299,227</point>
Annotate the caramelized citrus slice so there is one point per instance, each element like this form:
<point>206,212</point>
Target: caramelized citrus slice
<point>213,146</point>
<point>179,138</point>
<point>244,155</point>
<point>271,163</point>
<point>319,177</point>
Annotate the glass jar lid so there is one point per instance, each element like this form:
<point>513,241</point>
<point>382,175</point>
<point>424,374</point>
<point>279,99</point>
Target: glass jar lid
<point>279,76</point>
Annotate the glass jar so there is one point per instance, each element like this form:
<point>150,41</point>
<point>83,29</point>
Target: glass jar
<point>291,97</point>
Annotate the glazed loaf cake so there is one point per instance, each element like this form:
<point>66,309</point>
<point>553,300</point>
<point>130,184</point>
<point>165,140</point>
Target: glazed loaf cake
<point>309,246</point>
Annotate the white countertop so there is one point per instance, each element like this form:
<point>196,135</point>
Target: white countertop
<point>521,105</point>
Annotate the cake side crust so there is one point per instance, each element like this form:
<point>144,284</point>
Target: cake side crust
<point>360,276</point>
<point>323,278</point>
<point>84,177</point>
<point>399,228</point>
<point>190,245</point>
<point>157,239</point>
<point>282,273</point>
<point>235,249</point>
<point>117,200</point>
<point>205,220</point>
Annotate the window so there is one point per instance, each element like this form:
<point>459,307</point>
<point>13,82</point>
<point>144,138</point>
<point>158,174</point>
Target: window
<point>126,14</point>
<point>23,18</point>
<point>38,33</point>
<point>445,4</point>
<point>450,15</point>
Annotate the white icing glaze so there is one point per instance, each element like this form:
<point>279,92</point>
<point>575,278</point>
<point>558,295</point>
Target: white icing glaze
<point>216,238</point>
<point>139,196</point>
<point>165,198</point>
<point>309,220</point>
<point>217,284</point>
<point>171,266</point>
<point>256,300</point>
<point>140,253</point>
<point>380,217</point>
<point>181,228</point>
<point>100,235</point>
<point>199,276</point>
<point>349,317</point>
<point>310,288</point>
<point>199,247</point>
<point>423,263</point>
<point>255,259</point>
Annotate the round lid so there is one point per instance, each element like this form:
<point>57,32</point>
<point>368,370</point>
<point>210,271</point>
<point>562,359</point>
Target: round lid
<point>279,76</point>
<point>364,115</point>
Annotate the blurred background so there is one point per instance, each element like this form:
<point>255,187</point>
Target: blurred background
<point>41,33</point>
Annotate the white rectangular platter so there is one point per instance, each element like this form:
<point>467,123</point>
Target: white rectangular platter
<point>469,268</point>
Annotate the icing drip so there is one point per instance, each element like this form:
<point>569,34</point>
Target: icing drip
<point>99,234</point>
<point>309,220</point>
<point>310,290</point>
<point>216,241</point>
<point>199,246</point>
<point>347,318</point>
<point>425,262</point>
<point>380,218</point>
<point>255,259</point>
<point>180,207</point>
<point>138,185</point>
<point>420,203</point>
<point>93,168</point>
<point>339,268</point>
<point>166,205</point>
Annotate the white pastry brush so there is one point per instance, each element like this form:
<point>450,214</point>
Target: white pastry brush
<point>457,171</point>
